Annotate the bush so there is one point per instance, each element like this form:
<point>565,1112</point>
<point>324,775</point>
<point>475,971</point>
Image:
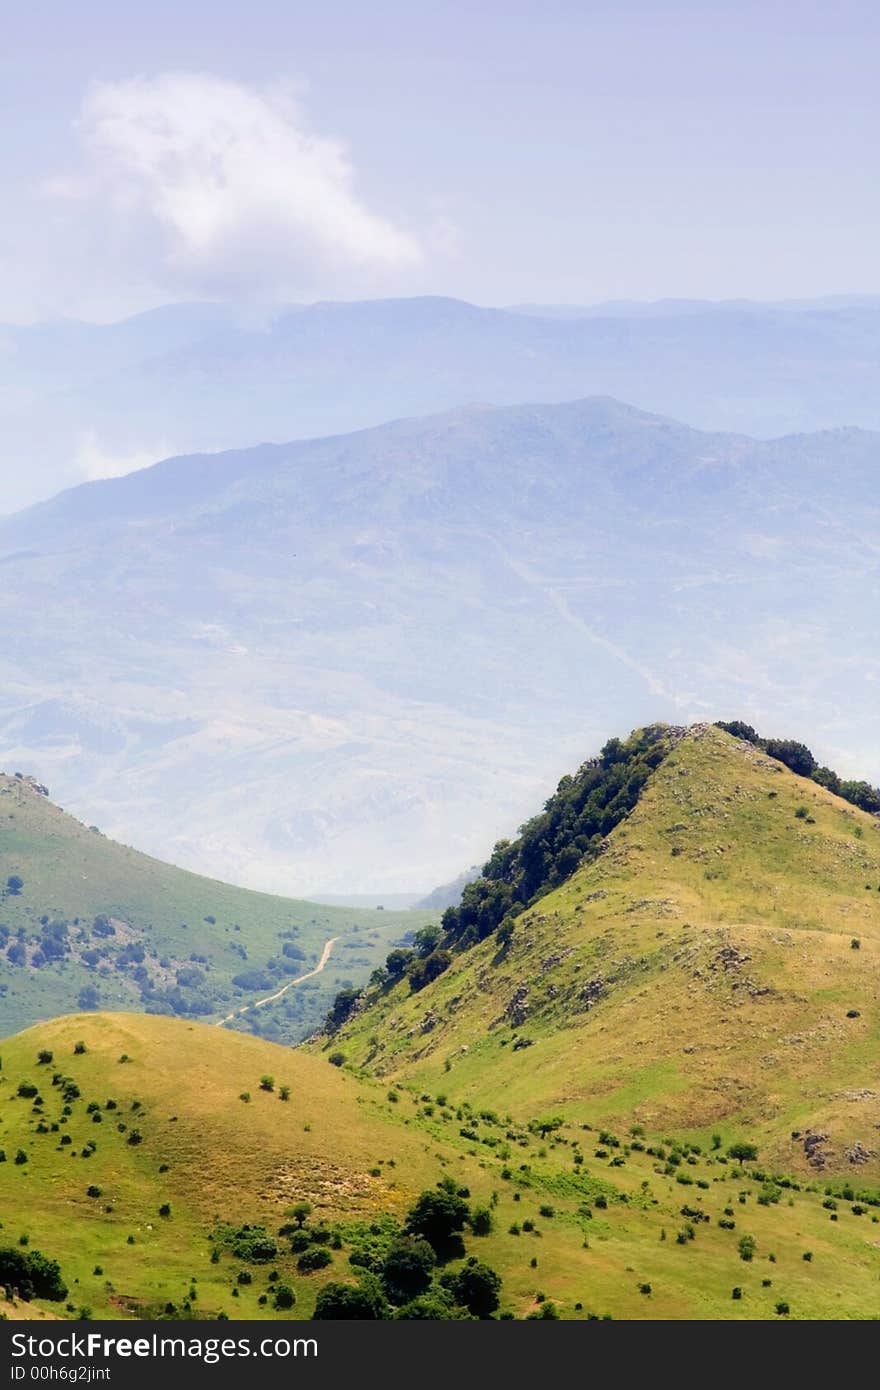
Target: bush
<point>337,1059</point>
<point>313,1259</point>
<point>481,1221</point>
<point>31,1275</point>
<point>438,1216</point>
<point>747,1246</point>
<point>348,1302</point>
<point>284,1296</point>
<point>476,1287</point>
<point>408,1268</point>
<point>44,1057</point>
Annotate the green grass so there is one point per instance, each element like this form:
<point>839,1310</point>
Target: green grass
<point>74,874</point>
<point>340,1143</point>
<point>725,976</point>
<point>726,973</point>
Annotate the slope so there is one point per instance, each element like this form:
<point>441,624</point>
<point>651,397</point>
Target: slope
<point>160,1163</point>
<point>714,970</point>
<point>197,377</point>
<point>83,919</point>
<point>327,666</point>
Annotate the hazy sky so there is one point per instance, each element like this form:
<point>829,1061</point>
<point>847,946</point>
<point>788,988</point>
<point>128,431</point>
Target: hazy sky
<point>556,151</point>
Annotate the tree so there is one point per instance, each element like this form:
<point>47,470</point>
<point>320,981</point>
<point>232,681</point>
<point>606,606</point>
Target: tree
<point>397,961</point>
<point>430,1308</point>
<point>88,997</point>
<point>743,1151</point>
<point>363,1301</point>
<point>342,1007</point>
<point>31,1275</point>
<point>794,755</point>
<point>14,885</point>
<point>738,729</point>
<point>476,1287</point>
<point>408,1268</point>
<point>300,1212</point>
<point>316,1257</point>
<point>422,972</point>
<point>438,1216</point>
<point>481,1221</point>
<point>427,940</point>
<point>284,1296</point>
<point>547,1125</point>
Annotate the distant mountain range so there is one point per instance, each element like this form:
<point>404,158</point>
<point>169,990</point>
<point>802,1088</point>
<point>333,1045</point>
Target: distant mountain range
<point>347,665</point>
<point>81,400</point>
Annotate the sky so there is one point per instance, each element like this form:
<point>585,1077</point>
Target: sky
<point>566,151</point>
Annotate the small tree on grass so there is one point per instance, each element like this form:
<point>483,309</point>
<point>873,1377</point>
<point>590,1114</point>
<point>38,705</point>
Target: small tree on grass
<point>300,1212</point>
<point>747,1247</point>
<point>548,1125</point>
<point>744,1152</point>
<point>267,1083</point>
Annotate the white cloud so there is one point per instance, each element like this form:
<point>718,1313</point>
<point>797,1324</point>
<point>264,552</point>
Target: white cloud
<point>215,187</point>
<point>94,461</point>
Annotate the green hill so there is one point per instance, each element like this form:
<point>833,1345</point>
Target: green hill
<point>86,922</point>
<point>179,1200</point>
<point>714,968</point>
<point>653,1085</point>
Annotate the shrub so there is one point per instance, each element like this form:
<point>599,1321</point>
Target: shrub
<point>315,1258</point>
<point>408,1268</point>
<point>476,1287</point>
<point>346,1301</point>
<point>44,1057</point>
<point>782,1308</point>
<point>337,1059</point>
<point>747,1246</point>
<point>284,1296</point>
<point>438,1216</point>
<point>31,1275</point>
<point>481,1221</point>
<point>267,1083</point>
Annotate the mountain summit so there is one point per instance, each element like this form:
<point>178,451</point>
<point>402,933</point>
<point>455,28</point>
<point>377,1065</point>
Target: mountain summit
<point>711,965</point>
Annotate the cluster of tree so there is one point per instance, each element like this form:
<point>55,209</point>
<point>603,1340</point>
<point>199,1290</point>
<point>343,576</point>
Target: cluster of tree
<point>575,821</point>
<point>28,1274</point>
<point>407,1279</point>
<point>798,758</point>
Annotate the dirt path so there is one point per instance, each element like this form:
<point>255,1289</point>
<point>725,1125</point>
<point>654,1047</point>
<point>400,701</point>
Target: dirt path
<point>258,1004</point>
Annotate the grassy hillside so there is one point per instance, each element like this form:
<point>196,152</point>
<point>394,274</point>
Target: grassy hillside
<point>92,915</point>
<point>715,970</point>
<point>624,1224</point>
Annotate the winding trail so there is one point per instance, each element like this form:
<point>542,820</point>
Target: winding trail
<point>258,1004</point>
